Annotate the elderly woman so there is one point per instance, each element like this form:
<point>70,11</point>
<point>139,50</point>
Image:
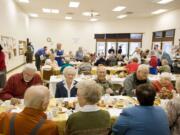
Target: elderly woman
<point>173,111</point>
<point>164,83</point>
<point>90,119</point>
<point>165,66</point>
<point>67,87</point>
<point>51,61</point>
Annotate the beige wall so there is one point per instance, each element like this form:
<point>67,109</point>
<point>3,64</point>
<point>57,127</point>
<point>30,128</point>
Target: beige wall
<point>13,23</point>
<point>73,33</point>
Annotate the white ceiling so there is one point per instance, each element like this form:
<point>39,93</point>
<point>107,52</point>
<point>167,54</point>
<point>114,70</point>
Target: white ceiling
<point>140,8</point>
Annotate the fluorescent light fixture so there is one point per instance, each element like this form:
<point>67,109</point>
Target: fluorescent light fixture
<point>54,11</point>
<point>93,19</point>
<point>121,16</point>
<point>159,11</point>
<point>90,13</point>
<point>164,1</point>
<point>46,10</point>
<point>74,4</point>
<point>24,1</point>
<point>33,15</point>
<point>119,8</point>
<point>68,17</point>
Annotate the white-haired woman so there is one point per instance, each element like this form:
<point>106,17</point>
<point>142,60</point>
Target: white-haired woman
<point>90,119</point>
<point>173,111</point>
<point>67,87</point>
<point>163,83</point>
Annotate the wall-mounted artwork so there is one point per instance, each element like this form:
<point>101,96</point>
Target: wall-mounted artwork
<point>9,46</point>
<point>22,47</point>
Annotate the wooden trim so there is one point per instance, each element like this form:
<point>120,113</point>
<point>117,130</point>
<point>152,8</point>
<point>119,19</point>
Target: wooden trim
<point>123,40</point>
<point>111,40</point>
<point>135,40</point>
<point>101,40</point>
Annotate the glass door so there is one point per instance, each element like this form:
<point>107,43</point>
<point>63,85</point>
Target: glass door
<point>110,46</point>
<point>166,46</point>
<point>133,46</point>
<point>156,46</point>
<point>100,48</point>
<point>124,47</point>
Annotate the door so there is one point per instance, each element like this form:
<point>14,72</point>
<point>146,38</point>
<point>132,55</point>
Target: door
<point>111,45</point>
<point>100,48</point>
<point>124,46</point>
<point>133,46</point>
<point>166,46</point>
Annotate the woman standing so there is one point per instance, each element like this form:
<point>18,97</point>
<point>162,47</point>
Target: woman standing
<point>2,68</point>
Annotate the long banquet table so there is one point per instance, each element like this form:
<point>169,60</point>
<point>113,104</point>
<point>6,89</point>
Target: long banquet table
<point>59,114</point>
<point>114,79</point>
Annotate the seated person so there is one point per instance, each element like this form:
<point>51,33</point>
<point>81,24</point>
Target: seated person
<point>101,79</point>
<point>135,79</point>
<point>164,83</point>
<point>132,66</point>
<point>66,64</point>
<point>67,87</point>
<point>32,120</point>
<point>90,120</point>
<point>111,60</point>
<point>51,61</point>
<point>85,67</point>
<point>143,119</point>
<point>19,82</point>
<point>165,66</point>
<point>173,110</point>
<point>99,61</point>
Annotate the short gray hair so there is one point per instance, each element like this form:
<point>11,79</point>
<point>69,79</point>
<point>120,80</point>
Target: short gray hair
<point>69,70</point>
<point>90,90</point>
<point>165,75</point>
<point>143,67</point>
<point>36,96</point>
<point>30,67</point>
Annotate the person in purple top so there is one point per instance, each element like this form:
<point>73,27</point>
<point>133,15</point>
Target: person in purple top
<point>38,55</point>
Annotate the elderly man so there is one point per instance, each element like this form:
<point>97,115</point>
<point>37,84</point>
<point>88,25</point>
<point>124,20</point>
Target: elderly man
<point>18,83</point>
<point>32,120</point>
<point>101,79</point>
<point>135,79</point>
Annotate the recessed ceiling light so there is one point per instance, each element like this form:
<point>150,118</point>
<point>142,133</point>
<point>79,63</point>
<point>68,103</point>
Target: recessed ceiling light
<point>68,17</point>
<point>24,1</point>
<point>90,13</point>
<point>93,19</point>
<point>119,8</point>
<point>159,11</point>
<point>164,1</point>
<point>121,16</point>
<point>46,10</point>
<point>74,4</point>
<point>55,11</point>
<point>33,15</point>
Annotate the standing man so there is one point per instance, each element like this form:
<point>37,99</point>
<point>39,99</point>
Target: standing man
<point>40,55</point>
<point>29,53</point>
<point>119,50</point>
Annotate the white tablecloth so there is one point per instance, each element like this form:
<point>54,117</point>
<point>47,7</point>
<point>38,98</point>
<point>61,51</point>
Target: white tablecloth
<point>113,79</point>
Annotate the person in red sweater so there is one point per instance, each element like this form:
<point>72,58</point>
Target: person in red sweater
<point>132,66</point>
<point>163,83</point>
<point>2,68</point>
<point>19,82</point>
<point>153,63</point>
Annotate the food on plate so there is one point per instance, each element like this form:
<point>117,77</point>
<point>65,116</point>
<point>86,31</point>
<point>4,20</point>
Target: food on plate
<point>165,94</point>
